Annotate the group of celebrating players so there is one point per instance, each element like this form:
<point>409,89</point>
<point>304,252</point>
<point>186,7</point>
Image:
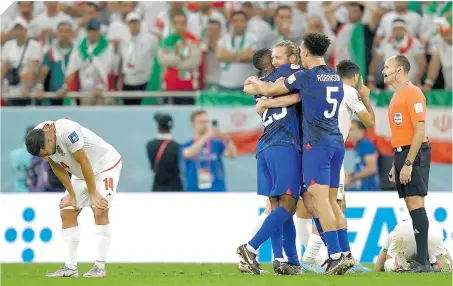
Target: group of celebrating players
<point>303,143</point>
<point>307,113</point>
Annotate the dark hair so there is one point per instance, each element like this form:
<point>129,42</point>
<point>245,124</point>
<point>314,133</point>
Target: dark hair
<point>212,21</point>
<point>239,12</point>
<point>195,114</point>
<point>35,141</point>
<point>347,69</point>
<point>282,7</point>
<point>92,4</point>
<point>64,23</point>
<point>259,58</point>
<point>404,62</point>
<point>359,123</point>
<point>316,43</point>
<point>356,4</point>
<point>29,128</point>
<point>399,20</point>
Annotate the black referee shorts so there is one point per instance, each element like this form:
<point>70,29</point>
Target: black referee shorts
<point>418,185</point>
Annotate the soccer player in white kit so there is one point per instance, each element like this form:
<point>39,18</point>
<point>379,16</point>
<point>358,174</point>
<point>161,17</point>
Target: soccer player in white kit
<point>354,102</point>
<point>95,167</point>
<point>400,247</point>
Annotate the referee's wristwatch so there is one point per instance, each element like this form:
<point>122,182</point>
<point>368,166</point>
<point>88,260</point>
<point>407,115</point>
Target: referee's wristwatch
<point>408,163</point>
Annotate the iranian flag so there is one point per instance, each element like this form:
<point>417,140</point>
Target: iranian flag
<point>350,45</point>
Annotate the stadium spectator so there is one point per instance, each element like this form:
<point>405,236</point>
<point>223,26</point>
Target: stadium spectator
<point>91,64</point>
<point>25,9</point>
<point>118,29</point>
<point>204,15</point>
<point>283,25</point>
<point>354,39</point>
<point>90,11</point>
<point>365,176</point>
<point>211,64</point>
<point>256,25</point>
<point>20,161</point>
<point>441,56</point>
<point>44,26</point>
<point>235,51</point>
<point>54,64</point>
<point>315,24</point>
<point>163,155</point>
<point>202,156</point>
<point>412,20</point>
<point>137,59</point>
<point>20,60</point>
<point>164,27</point>
<point>401,42</point>
<point>41,178</point>
<point>180,56</point>
<point>302,11</point>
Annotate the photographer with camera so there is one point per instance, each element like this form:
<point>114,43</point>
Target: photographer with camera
<point>202,155</point>
<point>20,60</point>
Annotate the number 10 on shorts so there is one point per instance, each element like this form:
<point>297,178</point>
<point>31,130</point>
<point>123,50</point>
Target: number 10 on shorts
<point>108,183</point>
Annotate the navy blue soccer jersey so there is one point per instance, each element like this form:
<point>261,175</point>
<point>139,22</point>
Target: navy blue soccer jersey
<point>321,92</point>
<point>281,124</point>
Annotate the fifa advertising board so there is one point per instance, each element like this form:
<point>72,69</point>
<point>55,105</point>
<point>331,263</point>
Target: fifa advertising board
<point>188,227</point>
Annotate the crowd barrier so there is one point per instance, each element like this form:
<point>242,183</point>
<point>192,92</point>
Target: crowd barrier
<point>188,227</point>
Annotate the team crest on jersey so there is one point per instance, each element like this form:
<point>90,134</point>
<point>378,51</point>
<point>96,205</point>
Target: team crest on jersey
<point>73,137</point>
<point>60,151</point>
<point>398,118</point>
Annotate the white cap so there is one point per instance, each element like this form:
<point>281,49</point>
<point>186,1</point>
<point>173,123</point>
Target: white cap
<point>18,21</point>
<point>133,16</point>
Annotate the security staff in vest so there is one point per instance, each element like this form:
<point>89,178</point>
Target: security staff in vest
<point>410,170</point>
<point>163,157</point>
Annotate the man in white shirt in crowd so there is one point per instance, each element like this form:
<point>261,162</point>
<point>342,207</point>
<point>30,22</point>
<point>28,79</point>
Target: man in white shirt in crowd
<point>92,63</point>
<point>164,23</point>
<point>235,51</point>
<point>20,60</point>
<point>302,11</point>
<point>283,25</point>
<point>137,59</point>
<point>95,167</point>
<point>90,11</point>
<point>211,64</point>
<point>401,42</point>
<point>412,20</point>
<point>257,26</point>
<point>204,15</point>
<point>441,51</point>
<point>400,248</point>
<point>24,9</point>
<point>315,24</point>
<point>44,26</point>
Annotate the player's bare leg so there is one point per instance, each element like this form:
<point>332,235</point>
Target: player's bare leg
<point>71,238</point>
<point>101,219</point>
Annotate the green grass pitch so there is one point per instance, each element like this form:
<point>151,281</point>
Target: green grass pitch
<point>204,275</point>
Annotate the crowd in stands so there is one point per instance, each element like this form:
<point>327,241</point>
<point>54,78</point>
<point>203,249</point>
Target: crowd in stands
<point>129,46</point>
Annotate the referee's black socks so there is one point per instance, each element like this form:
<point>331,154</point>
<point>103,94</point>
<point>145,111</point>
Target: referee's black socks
<point>420,224</point>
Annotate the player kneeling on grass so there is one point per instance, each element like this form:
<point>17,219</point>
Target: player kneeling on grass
<point>95,167</point>
<point>400,249</point>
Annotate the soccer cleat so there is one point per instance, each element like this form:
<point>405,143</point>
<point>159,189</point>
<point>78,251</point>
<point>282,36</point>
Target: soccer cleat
<point>277,266</point>
<point>415,267</point>
<point>64,272</point>
<point>244,268</point>
<point>291,269</point>
<point>249,258</point>
<point>311,268</point>
<point>338,266</point>
<point>442,264</point>
<point>346,265</point>
<point>95,272</point>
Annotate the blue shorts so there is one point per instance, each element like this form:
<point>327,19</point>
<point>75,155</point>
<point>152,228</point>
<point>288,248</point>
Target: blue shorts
<point>279,171</point>
<point>322,165</point>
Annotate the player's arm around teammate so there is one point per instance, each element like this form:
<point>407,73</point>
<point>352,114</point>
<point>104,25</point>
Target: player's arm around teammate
<point>281,101</point>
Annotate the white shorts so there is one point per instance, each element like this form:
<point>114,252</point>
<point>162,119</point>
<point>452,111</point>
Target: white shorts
<point>340,193</point>
<point>106,184</point>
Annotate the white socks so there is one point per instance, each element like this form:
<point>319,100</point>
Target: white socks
<point>312,249</point>
<point>103,240</point>
<point>303,230</point>
<point>71,238</point>
<point>259,223</point>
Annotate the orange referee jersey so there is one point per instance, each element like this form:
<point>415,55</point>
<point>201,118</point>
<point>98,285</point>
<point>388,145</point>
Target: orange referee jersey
<point>408,105</point>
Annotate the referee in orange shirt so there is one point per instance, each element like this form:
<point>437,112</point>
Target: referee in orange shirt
<point>410,170</point>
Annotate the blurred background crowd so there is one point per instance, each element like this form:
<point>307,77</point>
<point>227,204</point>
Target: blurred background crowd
<point>193,53</point>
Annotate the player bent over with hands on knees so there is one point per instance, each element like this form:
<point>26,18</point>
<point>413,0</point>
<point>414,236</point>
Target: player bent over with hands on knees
<point>400,249</point>
<point>321,91</point>
<point>95,167</point>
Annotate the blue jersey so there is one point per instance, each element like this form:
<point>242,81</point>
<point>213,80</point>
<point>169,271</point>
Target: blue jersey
<point>281,124</point>
<point>321,92</point>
